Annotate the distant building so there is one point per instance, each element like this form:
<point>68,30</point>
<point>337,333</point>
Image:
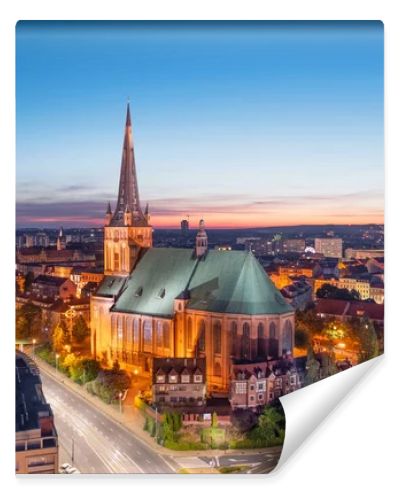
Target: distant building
<point>36,441</point>
<point>329,247</point>
<point>29,240</point>
<point>259,247</point>
<point>51,286</point>
<point>179,382</point>
<point>185,227</point>
<point>352,253</point>
<point>298,294</point>
<point>223,248</point>
<point>42,239</point>
<point>294,245</point>
<point>344,310</point>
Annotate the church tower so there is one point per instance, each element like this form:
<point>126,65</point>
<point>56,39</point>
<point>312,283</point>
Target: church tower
<point>201,240</point>
<point>61,243</point>
<point>127,229</point>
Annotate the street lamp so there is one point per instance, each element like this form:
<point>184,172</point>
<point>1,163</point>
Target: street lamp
<point>57,356</point>
<point>34,344</point>
<point>120,402</point>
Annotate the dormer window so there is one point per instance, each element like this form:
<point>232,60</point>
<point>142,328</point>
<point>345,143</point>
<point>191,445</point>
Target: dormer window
<point>160,379</point>
<point>198,379</point>
<point>161,293</point>
<point>139,292</point>
<point>173,379</point>
<point>185,379</point>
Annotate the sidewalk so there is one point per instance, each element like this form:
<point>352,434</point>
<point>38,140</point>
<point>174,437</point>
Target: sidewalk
<point>133,420</point>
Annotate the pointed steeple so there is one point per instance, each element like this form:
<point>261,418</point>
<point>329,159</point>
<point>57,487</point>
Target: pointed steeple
<point>109,208</point>
<point>128,116</point>
<point>128,193</point>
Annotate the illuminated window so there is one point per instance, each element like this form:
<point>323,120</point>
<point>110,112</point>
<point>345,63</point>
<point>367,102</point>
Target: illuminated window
<point>201,336</point>
<point>147,336</point>
<point>166,336</point>
<point>190,333</point>
<point>217,337</point>
<point>241,387</point>
<point>159,334</point>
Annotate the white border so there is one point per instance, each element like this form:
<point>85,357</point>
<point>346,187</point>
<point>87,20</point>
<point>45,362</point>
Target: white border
<point>350,455</point>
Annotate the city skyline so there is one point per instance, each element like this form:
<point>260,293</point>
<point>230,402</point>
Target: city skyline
<point>243,124</point>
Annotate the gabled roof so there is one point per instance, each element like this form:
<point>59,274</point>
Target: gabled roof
<point>227,282</point>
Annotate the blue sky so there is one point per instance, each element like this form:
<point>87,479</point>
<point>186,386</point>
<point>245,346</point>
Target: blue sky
<point>245,124</point>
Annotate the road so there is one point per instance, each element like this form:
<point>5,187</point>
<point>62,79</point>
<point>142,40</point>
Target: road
<point>257,463</point>
<point>99,444</point>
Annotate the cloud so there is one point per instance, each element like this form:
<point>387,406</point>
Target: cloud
<point>361,206</point>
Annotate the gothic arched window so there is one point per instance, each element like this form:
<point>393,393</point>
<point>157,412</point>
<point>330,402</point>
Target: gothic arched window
<point>217,337</point>
<point>159,334</point>
<point>217,369</point>
<point>273,343</point>
<point>135,327</point>
<point>261,341</point>
<point>147,336</point>
<point>189,333</point>
<point>287,336</point>
<point>234,338</point>
<point>201,336</point>
<point>166,336</point>
<point>245,351</point>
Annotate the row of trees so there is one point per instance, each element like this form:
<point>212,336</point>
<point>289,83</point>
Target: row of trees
<point>31,325</point>
<point>358,335</point>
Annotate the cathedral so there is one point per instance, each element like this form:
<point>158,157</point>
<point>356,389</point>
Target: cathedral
<point>175,302</point>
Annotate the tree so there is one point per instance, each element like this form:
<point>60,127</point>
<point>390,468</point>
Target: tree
<point>312,369</point>
<point>301,338</point>
<point>29,277</point>
<point>328,365</point>
<point>29,321</point>
<point>80,330</point>
<point>91,369</point>
<point>328,291</point>
<point>60,338</point>
<point>271,426</point>
<point>364,336</point>
<point>21,327</point>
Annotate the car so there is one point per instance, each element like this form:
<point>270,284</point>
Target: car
<point>67,468</point>
<point>64,467</point>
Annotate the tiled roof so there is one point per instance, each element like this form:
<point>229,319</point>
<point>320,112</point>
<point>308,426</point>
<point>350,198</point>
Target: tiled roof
<point>178,366</point>
<point>333,307</point>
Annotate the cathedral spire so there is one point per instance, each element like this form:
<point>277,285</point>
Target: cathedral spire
<point>128,193</point>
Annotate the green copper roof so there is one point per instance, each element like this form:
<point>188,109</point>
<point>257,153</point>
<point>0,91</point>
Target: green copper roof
<point>234,282</point>
<point>110,286</point>
<point>231,282</point>
<point>160,276</point>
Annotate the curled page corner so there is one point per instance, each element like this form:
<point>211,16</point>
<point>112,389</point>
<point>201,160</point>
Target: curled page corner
<point>307,408</point>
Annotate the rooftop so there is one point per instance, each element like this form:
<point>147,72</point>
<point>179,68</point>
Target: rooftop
<point>227,282</point>
<point>30,402</point>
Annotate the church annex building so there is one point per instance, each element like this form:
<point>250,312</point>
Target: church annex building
<point>174,302</point>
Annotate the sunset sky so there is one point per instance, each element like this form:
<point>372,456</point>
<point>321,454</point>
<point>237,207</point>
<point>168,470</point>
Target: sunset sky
<point>244,124</point>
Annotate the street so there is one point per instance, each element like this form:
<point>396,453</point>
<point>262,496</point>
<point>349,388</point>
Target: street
<point>99,444</point>
<point>96,444</point>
